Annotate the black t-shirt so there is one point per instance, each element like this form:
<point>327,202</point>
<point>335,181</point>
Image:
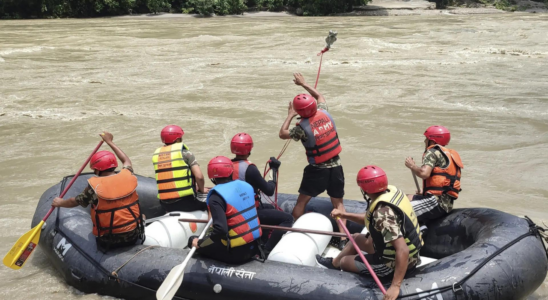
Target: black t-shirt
<point>256,180</point>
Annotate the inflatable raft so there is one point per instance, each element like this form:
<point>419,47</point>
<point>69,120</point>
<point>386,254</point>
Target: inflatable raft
<point>481,254</point>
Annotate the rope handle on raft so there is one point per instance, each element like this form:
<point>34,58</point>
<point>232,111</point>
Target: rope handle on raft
<point>329,40</point>
<point>534,230</point>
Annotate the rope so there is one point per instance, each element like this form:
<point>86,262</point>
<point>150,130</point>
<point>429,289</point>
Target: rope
<point>115,272</point>
<point>457,286</point>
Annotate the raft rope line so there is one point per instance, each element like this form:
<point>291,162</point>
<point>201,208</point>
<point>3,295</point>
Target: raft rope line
<point>115,272</point>
<point>90,259</point>
<point>329,40</point>
<point>534,230</point>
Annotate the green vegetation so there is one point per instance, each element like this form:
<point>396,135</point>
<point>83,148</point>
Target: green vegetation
<point>508,5</point>
<point>96,8</point>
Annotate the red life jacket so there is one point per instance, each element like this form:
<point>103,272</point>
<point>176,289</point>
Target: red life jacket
<point>117,209</point>
<point>445,180</point>
<point>322,142</point>
<point>240,168</point>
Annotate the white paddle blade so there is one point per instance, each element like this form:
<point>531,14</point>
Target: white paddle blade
<point>174,279</point>
<point>171,284</point>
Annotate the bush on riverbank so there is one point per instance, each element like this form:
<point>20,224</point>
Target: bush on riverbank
<point>97,8</point>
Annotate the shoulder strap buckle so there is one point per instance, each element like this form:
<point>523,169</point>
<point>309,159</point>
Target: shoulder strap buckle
<point>457,289</point>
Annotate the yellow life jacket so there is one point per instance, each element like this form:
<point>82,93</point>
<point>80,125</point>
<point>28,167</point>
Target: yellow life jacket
<point>173,175</point>
<point>398,201</point>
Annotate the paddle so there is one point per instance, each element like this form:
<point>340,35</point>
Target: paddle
<point>416,182</point>
<point>25,245</point>
<point>272,227</point>
<point>361,256</point>
<point>175,277</point>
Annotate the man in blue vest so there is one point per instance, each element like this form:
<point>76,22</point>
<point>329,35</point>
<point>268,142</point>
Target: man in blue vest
<point>244,170</point>
<point>236,226</point>
<point>318,134</point>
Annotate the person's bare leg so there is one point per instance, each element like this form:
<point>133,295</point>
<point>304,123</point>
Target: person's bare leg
<point>300,207</point>
<point>338,204</point>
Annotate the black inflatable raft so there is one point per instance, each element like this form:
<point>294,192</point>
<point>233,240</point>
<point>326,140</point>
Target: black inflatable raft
<point>483,254</point>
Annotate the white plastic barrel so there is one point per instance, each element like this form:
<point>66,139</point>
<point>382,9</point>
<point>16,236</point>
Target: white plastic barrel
<point>301,248</point>
<point>169,232</point>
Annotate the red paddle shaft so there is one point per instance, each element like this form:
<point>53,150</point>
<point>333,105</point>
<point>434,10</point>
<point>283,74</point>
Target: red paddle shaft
<point>74,179</point>
<point>362,257</point>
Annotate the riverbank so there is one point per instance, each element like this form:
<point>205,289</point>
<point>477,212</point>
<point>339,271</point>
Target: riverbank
<point>381,8</point>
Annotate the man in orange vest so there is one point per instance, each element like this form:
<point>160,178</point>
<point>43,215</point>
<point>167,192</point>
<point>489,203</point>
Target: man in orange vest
<point>178,175</point>
<point>318,134</point>
<point>115,213</point>
<point>440,171</point>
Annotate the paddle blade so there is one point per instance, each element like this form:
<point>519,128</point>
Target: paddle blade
<point>23,248</point>
<point>171,284</point>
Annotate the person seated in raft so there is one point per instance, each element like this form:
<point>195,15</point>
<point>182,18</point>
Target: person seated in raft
<point>441,171</point>
<point>236,227</point>
<point>178,173</point>
<point>394,239</point>
<point>318,134</point>
<point>115,213</point>
<point>244,170</point>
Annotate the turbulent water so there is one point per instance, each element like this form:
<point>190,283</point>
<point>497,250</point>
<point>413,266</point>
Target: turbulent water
<point>385,80</point>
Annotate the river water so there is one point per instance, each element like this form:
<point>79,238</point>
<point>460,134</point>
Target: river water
<point>386,79</point>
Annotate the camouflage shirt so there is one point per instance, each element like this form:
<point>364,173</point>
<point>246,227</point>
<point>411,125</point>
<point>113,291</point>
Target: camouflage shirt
<point>389,224</point>
<point>189,158</point>
<point>297,134</point>
<point>88,197</point>
<point>435,158</point>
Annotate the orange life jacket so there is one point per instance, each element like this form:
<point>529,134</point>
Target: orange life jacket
<point>445,180</point>
<point>322,143</point>
<point>117,209</point>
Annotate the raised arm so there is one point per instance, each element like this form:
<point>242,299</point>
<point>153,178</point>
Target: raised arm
<point>107,137</point>
<point>284,131</point>
<point>299,80</point>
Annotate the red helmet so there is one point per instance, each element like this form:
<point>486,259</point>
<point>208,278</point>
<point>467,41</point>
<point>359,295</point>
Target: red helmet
<point>372,179</point>
<point>305,105</point>
<point>103,160</point>
<point>241,144</point>
<point>171,133</point>
<point>220,167</point>
<point>439,134</point>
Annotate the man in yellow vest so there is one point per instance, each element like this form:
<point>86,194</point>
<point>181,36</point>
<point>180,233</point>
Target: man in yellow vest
<point>394,238</point>
<point>115,212</point>
<point>178,175</point>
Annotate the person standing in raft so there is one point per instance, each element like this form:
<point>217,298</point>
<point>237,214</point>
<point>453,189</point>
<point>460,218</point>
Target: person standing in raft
<point>236,227</point>
<point>440,171</point>
<point>115,213</point>
<point>178,175</point>
<point>244,170</point>
<point>318,134</point>
<point>394,237</point>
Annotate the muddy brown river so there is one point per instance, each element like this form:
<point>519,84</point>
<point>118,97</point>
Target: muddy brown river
<point>386,80</point>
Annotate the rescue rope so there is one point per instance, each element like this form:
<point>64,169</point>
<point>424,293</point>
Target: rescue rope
<point>329,40</point>
<point>115,272</point>
<point>534,230</point>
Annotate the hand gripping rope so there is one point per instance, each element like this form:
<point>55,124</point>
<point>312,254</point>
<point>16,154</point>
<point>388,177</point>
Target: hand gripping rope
<point>329,40</point>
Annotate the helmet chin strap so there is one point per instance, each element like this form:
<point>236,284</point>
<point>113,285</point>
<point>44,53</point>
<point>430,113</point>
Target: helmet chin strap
<point>367,199</point>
